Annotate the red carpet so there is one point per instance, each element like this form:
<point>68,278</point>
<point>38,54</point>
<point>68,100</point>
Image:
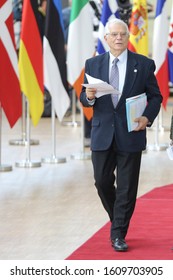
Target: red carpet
<point>150,235</point>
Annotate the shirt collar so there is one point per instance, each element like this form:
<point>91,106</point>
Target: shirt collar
<point>122,57</point>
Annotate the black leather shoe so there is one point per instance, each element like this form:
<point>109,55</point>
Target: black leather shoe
<point>119,245</point>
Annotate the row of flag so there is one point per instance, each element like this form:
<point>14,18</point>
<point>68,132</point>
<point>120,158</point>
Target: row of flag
<point>45,64</point>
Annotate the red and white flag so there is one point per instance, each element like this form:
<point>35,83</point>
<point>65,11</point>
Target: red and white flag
<point>10,95</point>
<point>170,48</point>
<point>160,48</point>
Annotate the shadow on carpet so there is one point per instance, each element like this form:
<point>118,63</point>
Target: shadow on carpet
<point>150,235</point>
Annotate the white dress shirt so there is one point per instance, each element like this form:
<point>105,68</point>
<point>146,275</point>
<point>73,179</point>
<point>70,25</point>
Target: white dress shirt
<point>122,65</point>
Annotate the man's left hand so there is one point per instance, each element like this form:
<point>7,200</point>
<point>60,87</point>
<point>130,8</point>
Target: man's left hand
<point>142,123</point>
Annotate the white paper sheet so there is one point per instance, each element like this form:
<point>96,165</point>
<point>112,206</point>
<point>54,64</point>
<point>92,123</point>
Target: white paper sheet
<point>102,87</point>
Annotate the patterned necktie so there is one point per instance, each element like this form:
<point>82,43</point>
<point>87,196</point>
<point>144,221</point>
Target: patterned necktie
<point>114,80</point>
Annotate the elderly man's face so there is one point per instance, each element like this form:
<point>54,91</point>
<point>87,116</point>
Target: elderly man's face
<point>117,38</point>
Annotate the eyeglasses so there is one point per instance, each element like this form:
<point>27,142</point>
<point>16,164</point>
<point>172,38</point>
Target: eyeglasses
<point>115,34</point>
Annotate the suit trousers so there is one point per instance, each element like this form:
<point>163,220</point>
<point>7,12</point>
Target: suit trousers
<point>117,193</point>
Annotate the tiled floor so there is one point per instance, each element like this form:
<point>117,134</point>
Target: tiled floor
<point>46,212</point>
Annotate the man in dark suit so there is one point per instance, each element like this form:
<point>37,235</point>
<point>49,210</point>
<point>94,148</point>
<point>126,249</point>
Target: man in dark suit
<point>113,147</point>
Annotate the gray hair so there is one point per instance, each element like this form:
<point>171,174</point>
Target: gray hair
<point>115,21</point>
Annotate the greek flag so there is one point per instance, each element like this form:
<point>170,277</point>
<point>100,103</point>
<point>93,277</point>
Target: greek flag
<point>109,10</point>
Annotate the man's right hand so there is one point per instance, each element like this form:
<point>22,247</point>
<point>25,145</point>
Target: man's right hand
<point>90,93</point>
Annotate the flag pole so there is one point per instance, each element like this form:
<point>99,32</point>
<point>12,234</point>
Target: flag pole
<point>3,167</point>
<point>156,146</point>
<point>23,140</point>
<point>27,162</point>
<point>53,158</point>
<point>73,122</point>
<point>82,155</point>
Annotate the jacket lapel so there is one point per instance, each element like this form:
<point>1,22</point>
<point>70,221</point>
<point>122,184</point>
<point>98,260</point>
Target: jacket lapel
<point>131,74</point>
<point>104,68</point>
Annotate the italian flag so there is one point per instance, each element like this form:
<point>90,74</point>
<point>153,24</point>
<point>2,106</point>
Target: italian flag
<point>80,46</point>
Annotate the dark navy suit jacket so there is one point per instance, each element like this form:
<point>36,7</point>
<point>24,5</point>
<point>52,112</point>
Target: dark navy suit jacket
<point>107,121</point>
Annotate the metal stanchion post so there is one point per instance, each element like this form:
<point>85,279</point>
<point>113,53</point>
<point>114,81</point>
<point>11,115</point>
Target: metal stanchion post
<point>82,155</point>
<point>53,158</point>
<point>27,162</point>
<point>3,167</point>
<point>23,140</point>
<point>73,122</point>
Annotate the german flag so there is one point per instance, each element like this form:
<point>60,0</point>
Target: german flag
<point>31,60</point>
